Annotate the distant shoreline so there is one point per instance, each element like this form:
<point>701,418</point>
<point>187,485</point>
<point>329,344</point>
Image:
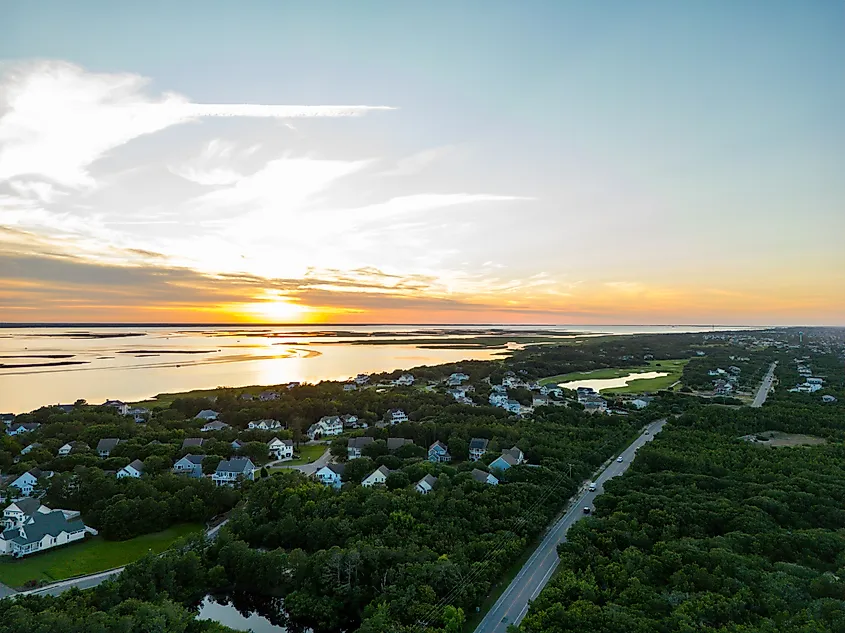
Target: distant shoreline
<point>43,324</point>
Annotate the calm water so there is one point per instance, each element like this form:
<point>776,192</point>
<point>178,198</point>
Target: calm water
<point>146,361</point>
<point>229,615</point>
<point>611,383</point>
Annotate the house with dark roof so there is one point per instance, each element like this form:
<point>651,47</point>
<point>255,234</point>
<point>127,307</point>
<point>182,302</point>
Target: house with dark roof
<point>484,477</point>
<point>214,425</point>
<point>19,511</point>
<point>354,446</point>
<point>106,445</point>
<point>40,531</point>
<point>134,469</point>
<point>192,442</point>
<point>190,465</point>
<point>331,475</point>
<point>206,414</point>
<point>281,449</point>
<point>395,443</point>
<point>377,477</point>
<point>426,484</point>
<point>477,448</point>
<point>510,457</point>
<point>231,471</point>
<point>17,428</point>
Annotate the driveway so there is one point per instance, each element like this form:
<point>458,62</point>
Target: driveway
<point>308,469</point>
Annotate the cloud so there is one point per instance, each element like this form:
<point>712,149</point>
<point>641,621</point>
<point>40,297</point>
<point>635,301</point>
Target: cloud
<point>415,163</point>
<point>57,119</point>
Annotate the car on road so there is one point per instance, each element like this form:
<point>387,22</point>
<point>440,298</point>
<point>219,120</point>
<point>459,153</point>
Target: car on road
<point>592,487</point>
<point>619,459</point>
<point>647,432</point>
<point>586,509</point>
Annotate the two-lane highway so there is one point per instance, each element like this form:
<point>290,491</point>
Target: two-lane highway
<point>512,605</point>
<point>765,387</point>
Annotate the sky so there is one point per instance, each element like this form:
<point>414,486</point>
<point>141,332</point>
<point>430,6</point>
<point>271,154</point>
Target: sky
<point>442,162</point>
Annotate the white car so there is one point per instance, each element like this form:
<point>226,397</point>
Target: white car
<point>619,459</point>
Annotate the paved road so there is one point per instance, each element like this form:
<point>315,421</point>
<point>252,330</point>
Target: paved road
<point>765,387</point>
<point>512,605</point>
<point>308,469</point>
<point>6,591</point>
<point>87,582</point>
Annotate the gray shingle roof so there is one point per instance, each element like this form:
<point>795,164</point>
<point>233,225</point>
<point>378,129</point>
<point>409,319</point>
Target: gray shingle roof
<point>394,443</point>
<point>196,460</point>
<point>235,465</point>
<point>192,441</point>
<point>28,505</point>
<point>478,443</point>
<point>429,479</point>
<point>359,442</point>
<point>106,444</point>
<point>137,465</point>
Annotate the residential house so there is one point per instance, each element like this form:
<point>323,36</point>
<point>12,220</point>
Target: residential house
<point>192,442</point>
<point>293,385</point>
<point>405,380</point>
<point>247,396</point>
<point>73,447</point>
<point>106,445</point>
<point>26,482</point>
<point>231,471</point>
<point>458,377</point>
<point>484,477</point>
<point>377,477</point>
<point>17,428</point>
<point>539,400</point>
<point>595,405</point>
<point>265,396</point>
<point>214,425</point>
<point>510,457</point>
<point>498,399</point>
<point>641,403</point>
<point>513,406</point>
<point>395,443</point>
<point>457,393</point>
<point>438,452</point>
<point>235,444</point>
<point>30,448</point>
<point>396,416</point>
<point>42,531</point>
<point>7,418</point>
<point>327,425</point>
<point>362,379</point>
<point>206,414</point>
<point>516,453</point>
<point>121,407</point>
<point>19,511</point>
<point>350,421</point>
<point>500,389</point>
<point>265,425</point>
<point>814,381</point>
<point>190,465</point>
<point>828,399</point>
<point>331,475</point>
<point>477,448</point>
<point>426,484</point>
<point>350,386</point>
<point>734,369</point>
<point>134,469</point>
<point>139,414</point>
<point>354,446</point>
<point>281,449</point>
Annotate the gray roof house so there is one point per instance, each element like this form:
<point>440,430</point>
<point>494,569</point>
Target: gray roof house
<point>106,445</point>
<point>190,465</point>
<point>206,414</point>
<point>426,484</point>
<point>190,442</point>
<point>477,447</point>
<point>395,443</point>
<point>134,469</point>
<point>230,471</point>
<point>484,477</point>
<point>355,445</point>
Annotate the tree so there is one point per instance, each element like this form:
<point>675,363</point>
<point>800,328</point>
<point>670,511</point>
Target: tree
<point>453,619</point>
<point>210,463</point>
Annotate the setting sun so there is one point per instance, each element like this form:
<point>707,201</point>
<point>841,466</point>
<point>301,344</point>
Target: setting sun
<point>275,310</point>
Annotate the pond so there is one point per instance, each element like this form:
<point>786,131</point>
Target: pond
<point>226,613</point>
<point>612,383</point>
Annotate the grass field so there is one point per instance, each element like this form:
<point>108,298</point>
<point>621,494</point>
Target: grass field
<point>88,557</point>
<point>673,367</point>
<point>307,454</point>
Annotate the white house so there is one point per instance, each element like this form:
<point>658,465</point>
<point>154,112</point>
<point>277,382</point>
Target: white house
<point>350,421</point>
<point>327,425</point>
<point>640,403</point>
<point>281,449</point>
<point>396,416</point>
<point>230,471</point>
<point>122,407</point>
<point>484,477</point>
<point>362,379</point>
<point>72,447</point>
<point>350,386</point>
<point>16,513</point>
<point>498,399</point>
<point>139,414</point>
<point>206,414</point>
<point>190,465</point>
<point>42,531</point>
<point>265,425</point>
<point>377,477</point>
<point>828,399</point>
<point>814,381</point>
<point>30,448</point>
<point>134,469</point>
<point>426,484</point>
<point>513,406</point>
<point>26,482</point>
<point>214,425</point>
<point>405,380</point>
<point>331,475</point>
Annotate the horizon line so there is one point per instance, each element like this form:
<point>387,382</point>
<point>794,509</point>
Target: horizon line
<point>15,324</point>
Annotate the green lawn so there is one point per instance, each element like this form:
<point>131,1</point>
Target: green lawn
<point>88,557</point>
<point>674,368</point>
<point>307,454</point>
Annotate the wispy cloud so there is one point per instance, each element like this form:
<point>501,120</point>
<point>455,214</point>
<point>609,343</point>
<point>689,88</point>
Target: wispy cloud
<point>57,119</point>
<point>416,163</point>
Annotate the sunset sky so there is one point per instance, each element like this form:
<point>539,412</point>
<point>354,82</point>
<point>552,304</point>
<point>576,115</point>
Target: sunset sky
<point>426,162</point>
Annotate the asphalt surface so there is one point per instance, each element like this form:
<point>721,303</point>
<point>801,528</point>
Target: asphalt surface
<point>512,605</point>
<point>765,387</point>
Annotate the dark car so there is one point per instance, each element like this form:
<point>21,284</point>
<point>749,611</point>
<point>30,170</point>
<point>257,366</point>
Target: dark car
<point>586,509</point>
